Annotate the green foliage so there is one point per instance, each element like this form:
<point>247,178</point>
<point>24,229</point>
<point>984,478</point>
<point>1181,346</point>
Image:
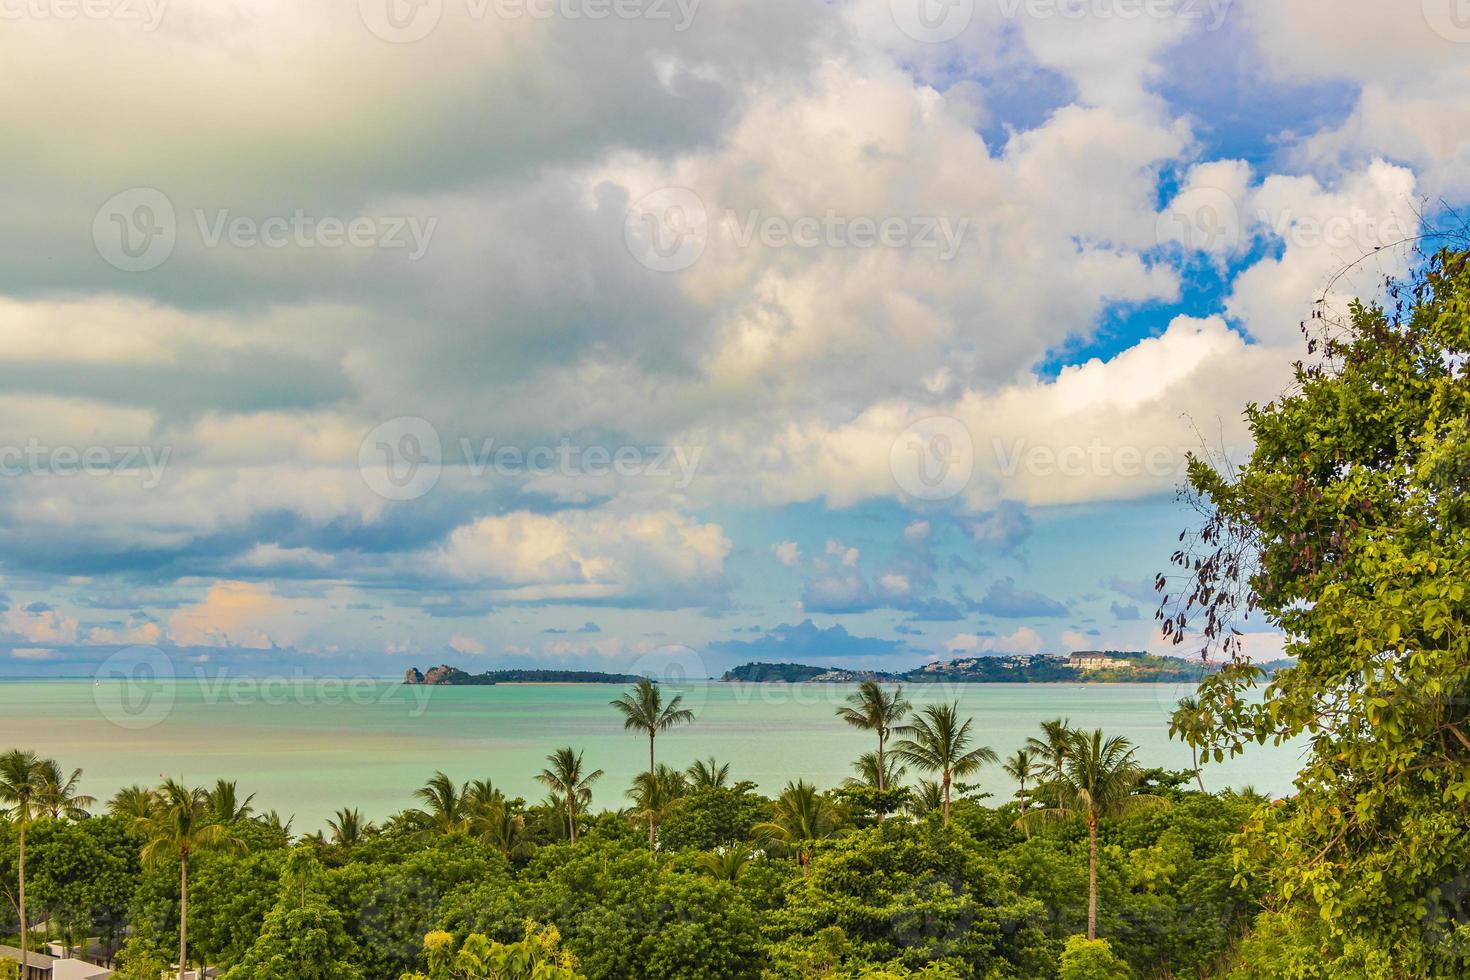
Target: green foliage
<point>538,956</point>
<point>1348,528</point>
<point>1092,959</point>
<point>911,895</point>
<point>302,938</point>
<point>715,817</point>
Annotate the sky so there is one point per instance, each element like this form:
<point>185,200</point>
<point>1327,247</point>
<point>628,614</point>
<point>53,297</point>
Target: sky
<point>348,336</point>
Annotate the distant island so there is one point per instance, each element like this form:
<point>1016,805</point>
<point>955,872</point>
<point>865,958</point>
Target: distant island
<point>1088,666</point>
<point>447,676</point>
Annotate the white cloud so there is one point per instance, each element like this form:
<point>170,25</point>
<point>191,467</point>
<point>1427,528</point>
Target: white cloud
<point>787,553</point>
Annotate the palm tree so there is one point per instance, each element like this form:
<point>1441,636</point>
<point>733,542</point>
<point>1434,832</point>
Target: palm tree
<point>708,774</point>
<point>498,825</point>
<point>22,778</point>
<point>938,742</point>
<point>655,794</point>
<point>132,802</point>
<point>1022,768</point>
<point>1096,783</point>
<point>875,710</point>
<point>643,710</point>
<point>58,796</point>
<point>226,802</point>
<point>1188,723</point>
<point>348,827</point>
<point>566,779</point>
<point>868,773</point>
<point>1053,747</point>
<point>183,825</point>
<point>927,798</point>
<point>799,818</point>
<point>479,794</point>
<point>447,805</point>
<point>725,864</point>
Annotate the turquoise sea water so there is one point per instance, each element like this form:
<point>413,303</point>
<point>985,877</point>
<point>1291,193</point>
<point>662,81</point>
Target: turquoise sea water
<point>307,747</point>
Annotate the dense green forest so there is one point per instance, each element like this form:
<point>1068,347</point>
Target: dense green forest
<point>1349,529</point>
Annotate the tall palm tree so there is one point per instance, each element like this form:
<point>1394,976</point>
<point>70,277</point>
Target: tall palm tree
<point>22,777</point>
<point>1022,768</point>
<point>348,827</point>
<point>799,818</point>
<point>643,710</point>
<point>1096,783</point>
<point>655,794</point>
<point>183,825</point>
<point>132,802</point>
<point>446,805</point>
<point>226,802</point>
<point>708,774</point>
<point>58,796</point>
<point>875,710</point>
<point>1053,747</point>
<point>566,778</point>
<point>938,742</point>
<point>1187,723</point>
<point>479,794</point>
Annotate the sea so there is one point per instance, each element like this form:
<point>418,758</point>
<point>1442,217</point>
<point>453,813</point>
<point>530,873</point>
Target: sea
<point>308,746</point>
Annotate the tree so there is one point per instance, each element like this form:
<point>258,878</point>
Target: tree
<point>22,780</point>
<point>58,796</point>
<point>183,825</point>
<point>1189,722</point>
<point>708,774</point>
<point>348,827</point>
<point>1347,529</point>
<point>225,800</point>
<point>303,937</point>
<point>800,817</point>
<point>1022,768</point>
<point>656,794</point>
<point>538,956</point>
<point>446,805</point>
<point>1052,747</point>
<point>566,779</point>
<point>132,802</point>
<point>643,710</point>
<point>938,742</point>
<point>873,709</point>
<point>499,825</point>
<point>727,864</point>
<point>1097,782</point>
<point>1092,959</point>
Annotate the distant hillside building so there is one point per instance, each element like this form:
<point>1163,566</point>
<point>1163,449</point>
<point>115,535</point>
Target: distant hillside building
<point>1094,660</point>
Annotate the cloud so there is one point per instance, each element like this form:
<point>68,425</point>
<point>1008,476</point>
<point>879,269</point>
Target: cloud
<point>601,557</point>
<point>1004,528</point>
<point>1023,640</point>
<point>1123,612</point>
<point>1007,601</point>
<point>234,614</point>
<point>467,645</point>
<point>806,643</point>
<point>787,553</point>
